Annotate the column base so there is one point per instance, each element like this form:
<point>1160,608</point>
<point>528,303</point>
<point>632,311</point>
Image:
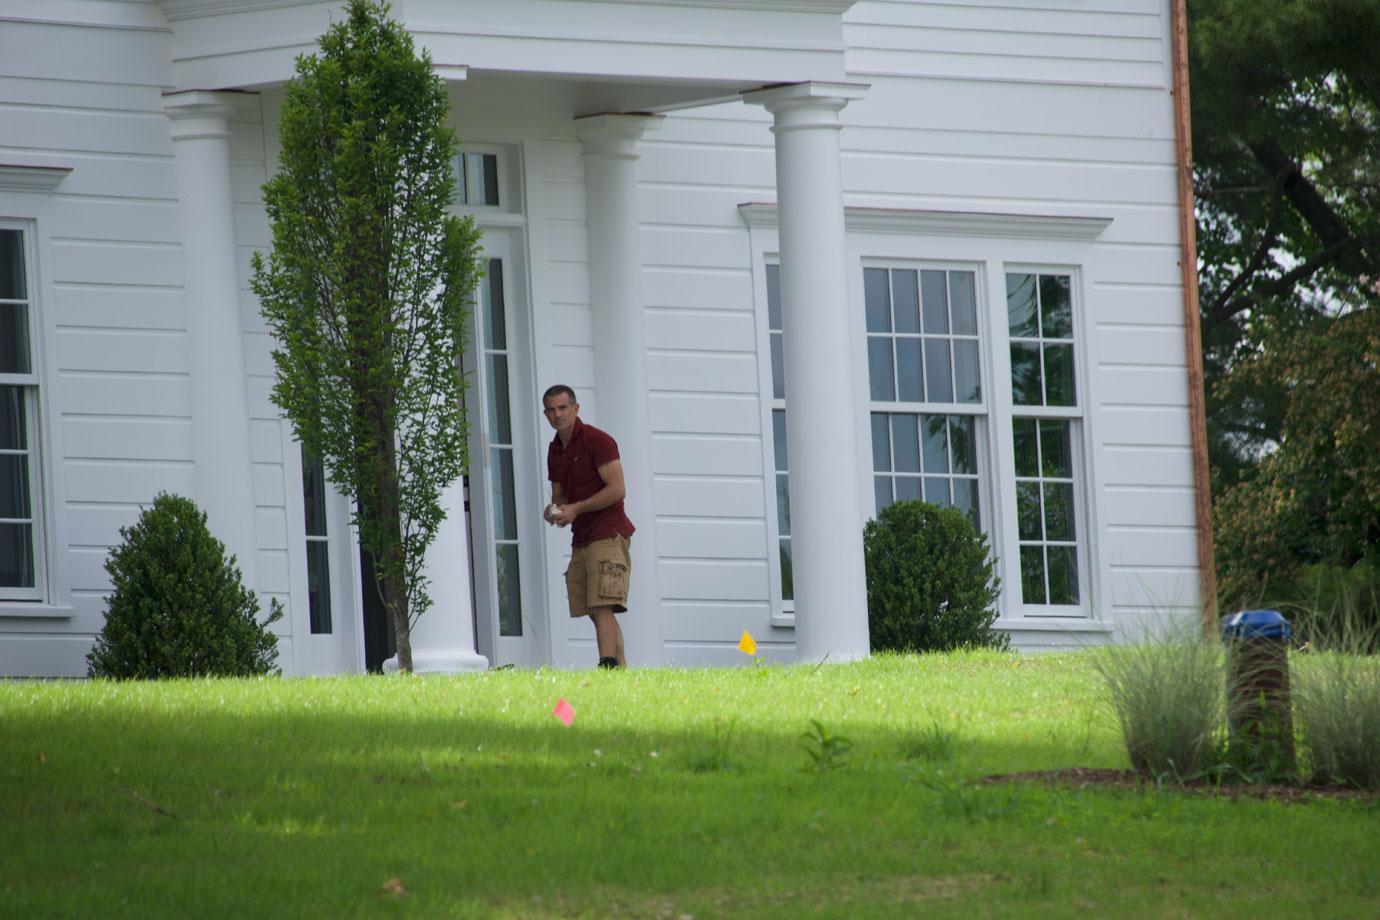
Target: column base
<point>441,661</point>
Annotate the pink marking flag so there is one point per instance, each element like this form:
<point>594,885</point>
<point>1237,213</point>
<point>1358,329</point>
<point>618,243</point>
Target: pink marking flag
<point>747,645</point>
<point>564,711</point>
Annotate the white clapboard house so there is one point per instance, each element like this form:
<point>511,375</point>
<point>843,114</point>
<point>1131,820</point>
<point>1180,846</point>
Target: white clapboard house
<point>842,252</point>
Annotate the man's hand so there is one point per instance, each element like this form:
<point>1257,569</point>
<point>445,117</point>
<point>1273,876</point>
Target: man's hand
<point>564,515</point>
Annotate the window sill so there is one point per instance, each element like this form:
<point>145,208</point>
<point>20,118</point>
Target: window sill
<point>784,619</point>
<point>34,610</point>
<point>1061,624</point>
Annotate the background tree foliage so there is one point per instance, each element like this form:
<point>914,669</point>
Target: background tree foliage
<point>367,289</point>
<point>1286,135</point>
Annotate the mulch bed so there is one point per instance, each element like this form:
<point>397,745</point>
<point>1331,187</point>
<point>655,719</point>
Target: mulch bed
<point>1088,778</point>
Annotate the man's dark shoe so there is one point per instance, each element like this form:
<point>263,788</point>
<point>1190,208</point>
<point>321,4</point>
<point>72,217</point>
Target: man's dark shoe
<point>608,662</point>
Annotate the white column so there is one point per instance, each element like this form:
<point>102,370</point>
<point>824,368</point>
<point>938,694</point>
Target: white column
<point>826,516</point>
<point>620,355</point>
<point>443,637</point>
<point>220,407</point>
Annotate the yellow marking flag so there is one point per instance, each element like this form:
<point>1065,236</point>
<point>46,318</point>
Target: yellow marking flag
<point>747,645</point>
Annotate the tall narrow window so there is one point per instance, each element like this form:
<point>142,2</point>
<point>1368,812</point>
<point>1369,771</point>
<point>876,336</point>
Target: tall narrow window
<point>318,544</point>
<point>476,175</point>
<point>924,378</point>
<point>20,565</point>
<point>497,357</point>
<point>778,428</point>
<point>1039,311</point>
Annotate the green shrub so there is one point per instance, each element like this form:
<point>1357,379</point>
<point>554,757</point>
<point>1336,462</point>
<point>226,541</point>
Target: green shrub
<point>177,606</point>
<point>1170,699</point>
<point>1337,707</point>
<point>930,581</point>
<point>1334,607</point>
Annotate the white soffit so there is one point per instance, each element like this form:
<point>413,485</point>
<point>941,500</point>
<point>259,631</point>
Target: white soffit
<point>949,223</point>
<point>723,46</point>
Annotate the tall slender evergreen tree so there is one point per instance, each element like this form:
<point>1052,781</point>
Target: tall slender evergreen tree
<point>368,287</point>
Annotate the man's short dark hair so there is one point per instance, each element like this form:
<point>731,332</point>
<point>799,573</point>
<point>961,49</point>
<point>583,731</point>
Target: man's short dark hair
<point>557,390</point>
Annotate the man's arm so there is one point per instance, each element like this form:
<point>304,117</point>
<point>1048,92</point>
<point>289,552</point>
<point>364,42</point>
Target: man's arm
<point>613,491</point>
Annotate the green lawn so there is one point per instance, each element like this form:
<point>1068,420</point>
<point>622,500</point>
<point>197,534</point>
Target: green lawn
<point>674,793</point>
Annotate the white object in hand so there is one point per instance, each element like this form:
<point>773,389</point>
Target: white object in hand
<point>552,510</point>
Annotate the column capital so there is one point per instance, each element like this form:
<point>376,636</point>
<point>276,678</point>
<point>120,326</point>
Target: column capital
<point>811,95</point>
<point>200,113</point>
<point>612,134</point>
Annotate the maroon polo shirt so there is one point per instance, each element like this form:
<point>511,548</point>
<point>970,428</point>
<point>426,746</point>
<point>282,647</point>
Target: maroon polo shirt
<point>576,467</point>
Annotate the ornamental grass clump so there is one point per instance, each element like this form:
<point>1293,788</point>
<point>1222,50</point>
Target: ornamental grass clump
<point>1169,699</point>
<point>178,607</point>
<point>1337,711</point>
<point>931,585</point>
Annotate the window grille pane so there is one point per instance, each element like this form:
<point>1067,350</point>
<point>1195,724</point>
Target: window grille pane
<point>1056,313</point>
<point>1021,315</point>
<point>14,339</point>
<point>787,571</point>
<point>13,424</point>
<point>13,285</point>
<point>778,367</point>
<point>505,507</point>
<point>907,488</point>
<point>936,437</point>
<point>1055,459</point>
<point>966,376</point>
<point>939,385</point>
<point>1026,386</point>
<point>783,504</point>
<point>1028,510</point>
<point>877,299</point>
<point>1027,451</point>
<point>1059,389</point>
<point>495,322</point>
<point>963,443</point>
<point>14,487</point>
<point>935,297</point>
<point>313,495</point>
<point>905,443</point>
<point>908,368</point>
<point>963,302</point>
<point>319,586</point>
<point>778,431</point>
<point>500,418</point>
<point>16,556</point>
<point>881,485</point>
<point>966,499</point>
<point>881,375</point>
<point>1063,575</point>
<point>1059,511</point>
<point>937,491</point>
<point>881,442</point>
<point>509,590</point>
<point>490,163</point>
<point>774,297</point>
<point>905,301</point>
<point>1032,575</point>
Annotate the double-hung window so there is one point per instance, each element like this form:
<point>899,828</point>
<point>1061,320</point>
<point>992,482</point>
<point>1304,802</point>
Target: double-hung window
<point>21,562</point>
<point>925,385</point>
<point>1045,436</point>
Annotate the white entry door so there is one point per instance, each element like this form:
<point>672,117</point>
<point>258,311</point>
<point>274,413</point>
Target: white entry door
<point>507,474</point>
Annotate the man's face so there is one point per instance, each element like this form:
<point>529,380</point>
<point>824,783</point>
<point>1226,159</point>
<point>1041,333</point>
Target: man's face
<point>561,412</point>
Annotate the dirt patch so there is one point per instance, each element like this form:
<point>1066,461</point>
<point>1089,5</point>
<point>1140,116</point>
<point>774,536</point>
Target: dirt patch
<point>1089,778</point>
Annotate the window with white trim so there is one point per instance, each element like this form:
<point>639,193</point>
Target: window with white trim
<point>21,544</point>
<point>778,428</point>
<point>314,499</point>
<point>924,381</point>
<point>1045,432</point>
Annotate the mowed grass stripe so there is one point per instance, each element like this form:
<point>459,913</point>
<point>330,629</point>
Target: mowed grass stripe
<point>673,792</point>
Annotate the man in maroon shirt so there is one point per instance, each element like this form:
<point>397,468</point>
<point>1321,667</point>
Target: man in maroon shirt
<point>587,491</point>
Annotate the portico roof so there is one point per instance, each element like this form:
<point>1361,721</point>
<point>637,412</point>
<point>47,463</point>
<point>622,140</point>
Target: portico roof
<point>632,55</point>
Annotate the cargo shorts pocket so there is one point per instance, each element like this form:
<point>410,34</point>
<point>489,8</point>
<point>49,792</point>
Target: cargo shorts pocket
<point>613,579</point>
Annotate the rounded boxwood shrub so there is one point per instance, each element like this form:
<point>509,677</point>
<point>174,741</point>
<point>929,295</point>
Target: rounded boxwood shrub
<point>178,607</point>
<point>930,581</point>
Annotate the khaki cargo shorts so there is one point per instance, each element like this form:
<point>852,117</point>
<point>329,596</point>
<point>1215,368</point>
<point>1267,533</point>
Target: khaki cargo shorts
<point>598,576</point>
